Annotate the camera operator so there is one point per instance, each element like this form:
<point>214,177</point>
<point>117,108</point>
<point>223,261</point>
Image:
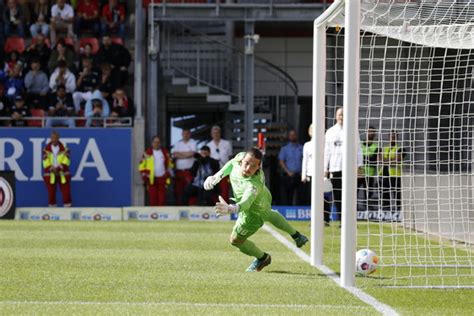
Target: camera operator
<point>203,167</point>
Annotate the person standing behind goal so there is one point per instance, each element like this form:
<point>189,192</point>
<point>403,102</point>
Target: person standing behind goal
<point>221,150</point>
<point>183,154</point>
<point>333,158</point>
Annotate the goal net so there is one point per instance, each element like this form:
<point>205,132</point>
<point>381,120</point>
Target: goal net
<point>415,204</point>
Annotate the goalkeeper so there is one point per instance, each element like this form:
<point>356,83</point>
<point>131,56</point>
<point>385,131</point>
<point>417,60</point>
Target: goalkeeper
<point>253,205</point>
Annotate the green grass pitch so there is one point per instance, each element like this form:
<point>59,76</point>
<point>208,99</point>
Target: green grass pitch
<point>179,268</point>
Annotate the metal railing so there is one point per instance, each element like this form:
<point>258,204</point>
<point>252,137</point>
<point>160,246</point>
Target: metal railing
<point>209,62</point>
<point>42,121</point>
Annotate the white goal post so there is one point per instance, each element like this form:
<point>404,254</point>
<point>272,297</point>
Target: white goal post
<point>403,70</point>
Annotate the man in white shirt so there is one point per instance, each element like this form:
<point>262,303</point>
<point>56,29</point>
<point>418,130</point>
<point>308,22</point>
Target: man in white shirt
<point>183,154</point>
<point>333,157</point>
<point>62,18</point>
<point>221,150</point>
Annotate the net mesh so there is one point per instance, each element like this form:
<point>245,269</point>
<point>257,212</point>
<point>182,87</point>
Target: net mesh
<point>415,200</point>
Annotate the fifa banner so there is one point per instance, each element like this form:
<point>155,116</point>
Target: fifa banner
<point>69,213</point>
<point>172,213</point>
<point>101,167</point>
<point>7,195</point>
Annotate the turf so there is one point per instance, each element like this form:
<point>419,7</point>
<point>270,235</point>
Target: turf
<point>180,268</point>
<point>166,268</point>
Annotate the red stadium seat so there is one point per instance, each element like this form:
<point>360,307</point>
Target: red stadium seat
<point>94,42</point>
<point>69,41</point>
<point>117,40</point>
<point>14,43</point>
<point>36,113</point>
<point>46,40</point>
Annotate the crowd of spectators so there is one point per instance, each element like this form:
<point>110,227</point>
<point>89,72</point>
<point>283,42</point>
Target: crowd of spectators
<point>61,59</point>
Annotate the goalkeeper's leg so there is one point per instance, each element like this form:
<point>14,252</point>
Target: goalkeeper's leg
<point>277,220</point>
<point>239,240</point>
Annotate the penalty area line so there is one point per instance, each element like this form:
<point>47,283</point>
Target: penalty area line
<point>364,297</point>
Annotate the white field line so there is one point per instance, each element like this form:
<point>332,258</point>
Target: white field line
<point>188,304</point>
<point>364,297</point>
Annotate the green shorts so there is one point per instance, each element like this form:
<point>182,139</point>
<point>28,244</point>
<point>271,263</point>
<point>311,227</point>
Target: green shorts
<point>245,227</point>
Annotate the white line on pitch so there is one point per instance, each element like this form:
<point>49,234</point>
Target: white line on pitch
<point>364,297</point>
<point>189,304</point>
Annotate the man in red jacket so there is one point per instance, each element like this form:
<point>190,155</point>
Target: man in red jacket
<point>154,168</point>
<point>56,170</point>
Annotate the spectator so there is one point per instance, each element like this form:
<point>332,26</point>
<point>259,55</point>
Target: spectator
<point>307,174</point>
<point>121,106</point>
<point>113,18</point>
<point>5,107</point>
<point>203,167</point>
<point>62,76</point>
<point>12,60</point>
<point>87,17</point>
<point>86,83</point>
<point>96,107</point>
<point>290,159</point>
<point>109,77</point>
<point>369,183</point>
<point>60,107</point>
<point>86,52</point>
<point>62,52</point>
<point>183,154</point>
<point>14,84</point>
<point>392,159</point>
<point>221,150</point>
<point>37,85</point>
<point>117,55</point>
<point>39,50</point>
<point>19,111</point>
<point>56,161</point>
<point>155,171</point>
<point>13,19</point>
<point>41,17</point>
<point>62,18</point>
<point>333,157</point>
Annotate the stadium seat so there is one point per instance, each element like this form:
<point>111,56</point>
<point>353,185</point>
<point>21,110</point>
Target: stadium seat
<point>117,40</point>
<point>69,41</point>
<point>36,113</point>
<point>14,43</point>
<point>94,42</point>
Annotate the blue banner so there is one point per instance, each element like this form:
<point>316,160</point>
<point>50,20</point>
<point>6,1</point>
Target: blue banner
<point>100,165</point>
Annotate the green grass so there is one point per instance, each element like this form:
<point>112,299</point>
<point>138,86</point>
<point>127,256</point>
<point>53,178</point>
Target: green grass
<point>179,268</point>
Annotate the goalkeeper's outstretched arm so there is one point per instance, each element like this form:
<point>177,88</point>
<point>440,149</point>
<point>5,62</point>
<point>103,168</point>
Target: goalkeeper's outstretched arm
<point>212,181</point>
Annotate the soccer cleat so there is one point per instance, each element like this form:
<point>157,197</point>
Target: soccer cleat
<point>257,265</point>
<point>301,241</point>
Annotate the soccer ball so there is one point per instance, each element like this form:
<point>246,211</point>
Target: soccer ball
<point>366,262</point>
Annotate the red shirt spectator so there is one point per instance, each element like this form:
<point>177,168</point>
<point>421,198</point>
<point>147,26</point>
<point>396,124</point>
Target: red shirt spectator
<point>113,11</point>
<point>113,18</point>
<point>88,9</point>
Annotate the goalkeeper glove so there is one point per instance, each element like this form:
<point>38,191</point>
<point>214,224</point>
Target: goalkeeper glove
<point>211,182</point>
<point>222,208</point>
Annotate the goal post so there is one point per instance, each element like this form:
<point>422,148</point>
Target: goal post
<point>407,77</point>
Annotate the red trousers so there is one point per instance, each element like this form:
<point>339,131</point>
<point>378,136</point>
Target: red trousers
<point>65,190</point>
<point>181,180</point>
<point>224,188</point>
<point>157,191</point>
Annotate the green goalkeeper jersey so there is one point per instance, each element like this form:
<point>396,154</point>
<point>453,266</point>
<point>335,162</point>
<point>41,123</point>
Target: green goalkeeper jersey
<point>250,193</point>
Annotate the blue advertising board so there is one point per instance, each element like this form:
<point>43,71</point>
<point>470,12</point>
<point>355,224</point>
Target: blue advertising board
<point>100,165</point>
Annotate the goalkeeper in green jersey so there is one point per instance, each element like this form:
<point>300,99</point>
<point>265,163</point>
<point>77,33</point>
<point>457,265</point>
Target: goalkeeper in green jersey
<point>253,205</point>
